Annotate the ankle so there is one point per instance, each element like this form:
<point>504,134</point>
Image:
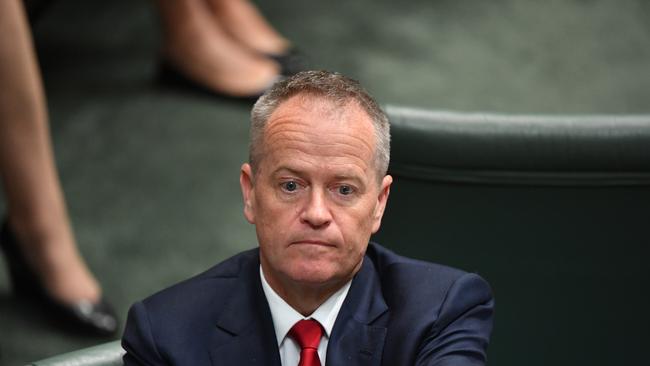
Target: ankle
<point>37,231</point>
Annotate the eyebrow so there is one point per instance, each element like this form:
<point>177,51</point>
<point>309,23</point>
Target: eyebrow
<point>285,168</point>
<point>348,177</point>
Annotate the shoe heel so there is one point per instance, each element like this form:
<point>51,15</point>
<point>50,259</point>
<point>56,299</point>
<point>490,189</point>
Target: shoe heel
<point>84,317</point>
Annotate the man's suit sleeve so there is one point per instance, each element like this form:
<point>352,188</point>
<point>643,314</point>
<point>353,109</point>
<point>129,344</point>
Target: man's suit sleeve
<point>461,334</point>
<point>138,340</point>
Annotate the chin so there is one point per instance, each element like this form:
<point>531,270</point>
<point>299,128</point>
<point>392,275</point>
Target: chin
<point>314,274</point>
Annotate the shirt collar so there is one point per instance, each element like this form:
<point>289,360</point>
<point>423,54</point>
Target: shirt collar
<point>284,316</point>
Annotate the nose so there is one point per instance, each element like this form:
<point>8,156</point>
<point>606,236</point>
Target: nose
<point>316,213</point>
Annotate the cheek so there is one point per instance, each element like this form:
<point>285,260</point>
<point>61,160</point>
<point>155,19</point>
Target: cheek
<point>366,213</point>
<point>274,218</point>
<point>356,227</point>
<point>267,204</point>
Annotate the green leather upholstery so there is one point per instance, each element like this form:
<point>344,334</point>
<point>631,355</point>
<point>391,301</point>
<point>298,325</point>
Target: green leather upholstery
<point>107,354</point>
<point>554,211</point>
<point>509,149</point>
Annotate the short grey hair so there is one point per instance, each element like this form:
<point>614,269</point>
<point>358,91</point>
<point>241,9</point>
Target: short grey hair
<point>331,86</point>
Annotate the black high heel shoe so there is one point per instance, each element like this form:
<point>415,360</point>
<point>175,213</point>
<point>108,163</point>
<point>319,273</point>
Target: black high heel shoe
<point>291,61</point>
<point>170,76</point>
<point>82,317</point>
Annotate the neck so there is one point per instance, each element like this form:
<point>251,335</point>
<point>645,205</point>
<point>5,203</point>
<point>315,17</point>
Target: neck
<point>304,298</point>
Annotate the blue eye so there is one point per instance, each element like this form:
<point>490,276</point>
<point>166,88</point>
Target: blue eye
<point>290,186</point>
<point>345,190</point>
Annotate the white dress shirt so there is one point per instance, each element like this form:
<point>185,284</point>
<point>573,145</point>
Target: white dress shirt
<point>284,317</point>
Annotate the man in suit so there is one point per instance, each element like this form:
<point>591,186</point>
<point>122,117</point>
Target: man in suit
<point>315,292</point>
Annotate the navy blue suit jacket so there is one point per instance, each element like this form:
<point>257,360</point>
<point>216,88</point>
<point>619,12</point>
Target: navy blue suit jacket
<point>398,312</point>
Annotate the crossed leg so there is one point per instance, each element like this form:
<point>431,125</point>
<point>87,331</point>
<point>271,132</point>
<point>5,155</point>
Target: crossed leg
<point>36,207</point>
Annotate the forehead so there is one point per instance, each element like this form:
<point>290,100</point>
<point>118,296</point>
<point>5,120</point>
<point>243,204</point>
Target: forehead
<point>303,108</point>
<point>317,128</point>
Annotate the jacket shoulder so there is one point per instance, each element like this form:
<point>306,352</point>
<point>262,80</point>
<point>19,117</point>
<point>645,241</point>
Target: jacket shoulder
<point>203,286</point>
<point>438,314</point>
<point>388,263</point>
<point>406,279</point>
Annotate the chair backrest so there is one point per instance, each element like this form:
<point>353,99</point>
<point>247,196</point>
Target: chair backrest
<point>554,211</point>
<point>107,354</point>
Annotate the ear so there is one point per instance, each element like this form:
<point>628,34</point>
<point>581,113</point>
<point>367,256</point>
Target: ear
<point>382,199</point>
<point>248,192</point>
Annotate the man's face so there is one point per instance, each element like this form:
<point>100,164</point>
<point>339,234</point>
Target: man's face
<point>315,197</point>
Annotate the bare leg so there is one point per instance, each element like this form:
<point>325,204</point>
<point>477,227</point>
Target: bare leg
<point>200,48</point>
<point>243,21</point>
<point>37,212</point>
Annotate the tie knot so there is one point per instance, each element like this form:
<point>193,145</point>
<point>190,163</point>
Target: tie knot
<point>307,333</point>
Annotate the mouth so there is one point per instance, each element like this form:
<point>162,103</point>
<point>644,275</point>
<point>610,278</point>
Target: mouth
<point>312,242</point>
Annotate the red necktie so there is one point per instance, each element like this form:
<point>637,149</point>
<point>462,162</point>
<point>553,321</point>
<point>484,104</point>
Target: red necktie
<point>308,334</point>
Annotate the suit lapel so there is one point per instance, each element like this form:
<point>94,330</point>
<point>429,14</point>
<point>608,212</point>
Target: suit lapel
<point>360,328</point>
<point>244,333</point>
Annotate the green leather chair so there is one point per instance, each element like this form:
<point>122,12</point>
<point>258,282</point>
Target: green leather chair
<point>554,211</point>
<point>107,354</point>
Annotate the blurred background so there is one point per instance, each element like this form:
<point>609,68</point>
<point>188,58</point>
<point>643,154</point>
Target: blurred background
<point>150,173</point>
